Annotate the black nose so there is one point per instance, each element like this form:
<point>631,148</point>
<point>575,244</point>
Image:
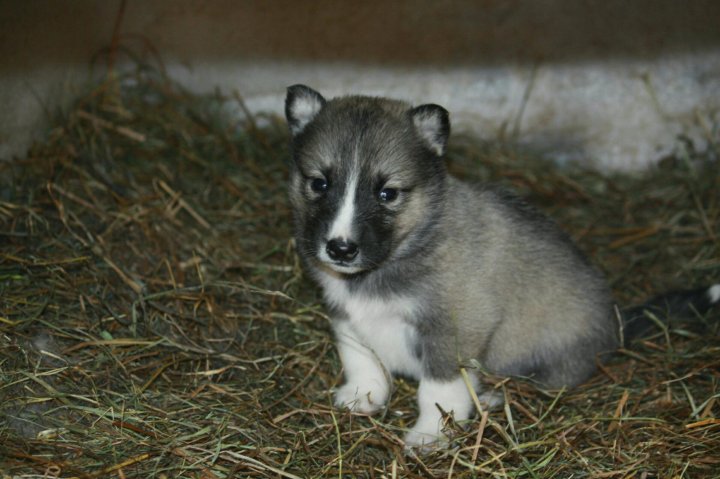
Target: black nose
<point>341,250</point>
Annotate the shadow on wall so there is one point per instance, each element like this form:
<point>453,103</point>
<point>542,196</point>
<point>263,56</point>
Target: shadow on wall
<point>620,79</point>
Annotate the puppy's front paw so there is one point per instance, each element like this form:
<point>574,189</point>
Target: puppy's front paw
<point>492,400</point>
<point>424,440</point>
<point>362,398</point>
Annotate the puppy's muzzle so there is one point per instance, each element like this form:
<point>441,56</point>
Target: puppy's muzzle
<point>342,250</point>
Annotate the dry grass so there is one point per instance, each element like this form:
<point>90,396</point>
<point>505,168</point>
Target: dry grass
<point>154,321</point>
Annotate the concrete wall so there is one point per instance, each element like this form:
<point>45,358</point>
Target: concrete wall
<point>610,81</point>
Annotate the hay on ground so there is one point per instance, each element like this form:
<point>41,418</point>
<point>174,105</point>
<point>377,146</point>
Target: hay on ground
<point>154,320</point>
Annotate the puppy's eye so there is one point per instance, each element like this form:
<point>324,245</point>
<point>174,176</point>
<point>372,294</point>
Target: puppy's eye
<point>388,194</point>
<point>319,185</point>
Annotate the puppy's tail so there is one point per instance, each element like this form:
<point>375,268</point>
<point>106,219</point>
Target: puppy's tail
<point>688,304</point>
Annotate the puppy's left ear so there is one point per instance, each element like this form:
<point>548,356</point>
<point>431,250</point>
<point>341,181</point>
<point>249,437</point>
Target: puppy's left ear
<point>302,104</point>
<point>432,123</point>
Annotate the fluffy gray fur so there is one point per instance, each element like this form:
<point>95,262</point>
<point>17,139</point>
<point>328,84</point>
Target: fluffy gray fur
<point>444,272</point>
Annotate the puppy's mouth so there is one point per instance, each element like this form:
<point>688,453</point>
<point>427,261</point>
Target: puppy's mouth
<point>342,267</point>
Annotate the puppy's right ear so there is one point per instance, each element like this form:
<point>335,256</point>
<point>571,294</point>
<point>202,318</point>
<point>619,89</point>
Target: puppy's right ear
<point>433,125</point>
<point>302,104</point>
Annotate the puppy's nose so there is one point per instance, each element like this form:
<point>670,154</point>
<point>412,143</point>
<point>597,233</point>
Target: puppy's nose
<point>341,250</point>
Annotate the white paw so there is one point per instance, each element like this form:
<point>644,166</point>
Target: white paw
<point>423,440</point>
<point>361,398</point>
<point>491,400</point>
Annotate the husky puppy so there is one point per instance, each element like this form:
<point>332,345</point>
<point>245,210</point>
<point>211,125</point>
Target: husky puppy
<point>423,273</point>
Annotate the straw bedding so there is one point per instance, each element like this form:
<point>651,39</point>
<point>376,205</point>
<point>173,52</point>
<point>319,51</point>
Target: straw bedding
<point>155,322</point>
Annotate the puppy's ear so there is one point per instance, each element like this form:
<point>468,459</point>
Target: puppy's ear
<point>302,104</point>
<point>432,123</point>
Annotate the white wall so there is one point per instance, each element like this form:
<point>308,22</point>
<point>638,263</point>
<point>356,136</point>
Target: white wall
<point>613,82</point>
<point>624,114</point>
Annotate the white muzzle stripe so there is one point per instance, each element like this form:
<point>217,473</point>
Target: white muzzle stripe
<point>342,225</point>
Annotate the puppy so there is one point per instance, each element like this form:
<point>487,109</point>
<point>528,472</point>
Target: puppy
<point>423,273</point>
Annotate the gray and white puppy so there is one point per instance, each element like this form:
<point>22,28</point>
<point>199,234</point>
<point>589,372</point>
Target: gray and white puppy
<point>423,273</point>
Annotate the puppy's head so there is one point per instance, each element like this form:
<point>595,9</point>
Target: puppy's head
<point>367,179</point>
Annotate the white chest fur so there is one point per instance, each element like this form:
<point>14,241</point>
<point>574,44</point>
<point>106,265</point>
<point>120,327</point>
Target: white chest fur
<point>380,325</point>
